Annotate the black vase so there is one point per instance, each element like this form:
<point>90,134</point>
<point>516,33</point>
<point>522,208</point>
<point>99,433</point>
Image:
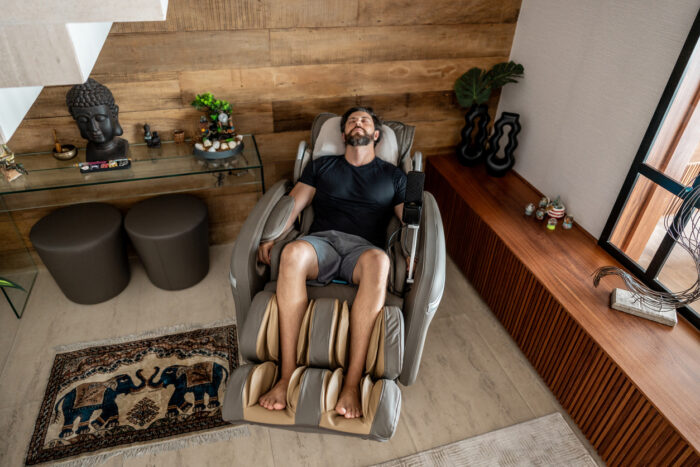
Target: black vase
<point>470,150</point>
<point>496,165</point>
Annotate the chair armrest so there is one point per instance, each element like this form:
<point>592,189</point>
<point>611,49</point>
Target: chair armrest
<point>423,299</point>
<point>246,276</point>
<point>276,222</point>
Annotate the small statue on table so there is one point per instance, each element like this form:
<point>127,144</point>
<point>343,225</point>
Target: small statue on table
<point>152,139</point>
<point>92,106</point>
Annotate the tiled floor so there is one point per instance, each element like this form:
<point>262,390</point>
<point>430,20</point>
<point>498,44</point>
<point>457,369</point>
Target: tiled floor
<point>473,378</point>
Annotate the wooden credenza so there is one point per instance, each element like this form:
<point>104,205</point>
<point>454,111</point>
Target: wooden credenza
<point>631,385</point>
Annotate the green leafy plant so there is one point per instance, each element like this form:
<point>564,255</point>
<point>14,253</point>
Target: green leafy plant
<point>212,106</point>
<point>8,283</point>
<point>476,85</point>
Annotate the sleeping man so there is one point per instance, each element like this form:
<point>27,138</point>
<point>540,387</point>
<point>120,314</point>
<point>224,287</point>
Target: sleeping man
<point>353,196</point>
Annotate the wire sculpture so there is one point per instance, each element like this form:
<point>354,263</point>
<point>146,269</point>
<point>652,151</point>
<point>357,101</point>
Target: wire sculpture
<point>682,222</point>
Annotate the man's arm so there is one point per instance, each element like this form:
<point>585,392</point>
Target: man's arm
<point>398,210</point>
<point>302,194</point>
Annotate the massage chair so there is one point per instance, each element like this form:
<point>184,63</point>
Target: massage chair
<point>399,331</point>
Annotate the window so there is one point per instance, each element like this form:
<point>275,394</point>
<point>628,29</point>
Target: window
<point>667,164</point>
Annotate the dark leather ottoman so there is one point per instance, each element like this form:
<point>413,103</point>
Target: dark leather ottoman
<point>171,235</point>
<point>83,247</point>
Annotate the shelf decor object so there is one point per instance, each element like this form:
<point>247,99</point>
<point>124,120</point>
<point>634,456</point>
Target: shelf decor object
<point>682,222</point>
<point>473,90</point>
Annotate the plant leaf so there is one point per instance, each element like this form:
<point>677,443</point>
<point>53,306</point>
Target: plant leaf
<point>472,87</point>
<point>8,283</point>
<point>504,73</point>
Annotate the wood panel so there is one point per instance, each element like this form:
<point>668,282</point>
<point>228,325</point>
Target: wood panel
<point>129,96</point>
<point>205,50</point>
<point>380,44</point>
<point>630,384</point>
<point>331,80</point>
<point>395,12</point>
<point>219,15</point>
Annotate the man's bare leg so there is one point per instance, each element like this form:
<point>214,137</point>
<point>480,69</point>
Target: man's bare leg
<point>297,264</point>
<point>371,273</point>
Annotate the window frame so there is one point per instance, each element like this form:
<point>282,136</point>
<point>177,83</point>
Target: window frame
<point>639,168</point>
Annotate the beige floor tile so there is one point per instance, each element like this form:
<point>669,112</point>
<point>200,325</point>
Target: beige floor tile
<point>461,390</point>
<point>310,449</point>
<point>9,324</point>
<point>253,450</point>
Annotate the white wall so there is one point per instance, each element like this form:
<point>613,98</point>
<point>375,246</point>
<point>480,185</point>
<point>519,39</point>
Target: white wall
<point>594,74</point>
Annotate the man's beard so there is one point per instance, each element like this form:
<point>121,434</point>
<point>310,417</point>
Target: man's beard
<point>357,139</point>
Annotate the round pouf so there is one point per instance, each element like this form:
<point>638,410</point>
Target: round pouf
<point>171,235</point>
<point>84,249</point>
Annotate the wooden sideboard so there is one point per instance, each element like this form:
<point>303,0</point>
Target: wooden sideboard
<point>631,385</point>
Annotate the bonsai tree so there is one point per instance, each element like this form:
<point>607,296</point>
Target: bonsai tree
<point>475,86</point>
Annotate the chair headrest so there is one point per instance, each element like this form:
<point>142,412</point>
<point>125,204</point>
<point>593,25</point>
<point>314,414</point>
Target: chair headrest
<point>329,142</point>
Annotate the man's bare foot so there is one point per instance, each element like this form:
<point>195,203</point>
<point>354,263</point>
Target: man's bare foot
<point>275,398</point>
<point>349,404</point>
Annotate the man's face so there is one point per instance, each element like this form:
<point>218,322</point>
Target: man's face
<point>359,129</point>
<point>95,123</point>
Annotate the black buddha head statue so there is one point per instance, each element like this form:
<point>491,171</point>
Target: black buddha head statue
<point>92,106</point>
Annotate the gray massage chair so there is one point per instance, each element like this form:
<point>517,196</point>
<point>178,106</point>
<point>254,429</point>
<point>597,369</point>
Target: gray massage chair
<point>399,332</point>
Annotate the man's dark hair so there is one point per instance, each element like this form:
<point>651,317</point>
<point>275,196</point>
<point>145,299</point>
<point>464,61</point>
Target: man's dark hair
<point>90,94</point>
<point>377,121</point>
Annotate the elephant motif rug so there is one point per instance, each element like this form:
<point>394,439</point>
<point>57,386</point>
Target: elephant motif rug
<point>132,393</point>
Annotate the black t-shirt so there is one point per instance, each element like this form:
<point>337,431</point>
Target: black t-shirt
<point>355,200</point>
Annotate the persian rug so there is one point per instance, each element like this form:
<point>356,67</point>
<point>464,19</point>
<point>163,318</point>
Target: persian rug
<point>129,394</point>
<point>546,440</point>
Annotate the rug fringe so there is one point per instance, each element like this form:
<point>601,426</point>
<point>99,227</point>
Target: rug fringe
<point>144,335</point>
<point>167,445</point>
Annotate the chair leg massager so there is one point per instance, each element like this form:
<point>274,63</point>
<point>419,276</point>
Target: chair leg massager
<point>399,332</point>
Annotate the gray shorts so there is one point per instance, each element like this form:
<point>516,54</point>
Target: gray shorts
<point>337,254</point>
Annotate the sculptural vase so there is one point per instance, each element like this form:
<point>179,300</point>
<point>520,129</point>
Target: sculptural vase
<point>497,165</point>
<point>470,150</point>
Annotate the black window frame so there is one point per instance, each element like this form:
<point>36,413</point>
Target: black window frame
<point>639,168</point>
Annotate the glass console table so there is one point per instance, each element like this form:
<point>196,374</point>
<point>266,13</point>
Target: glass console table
<point>170,168</point>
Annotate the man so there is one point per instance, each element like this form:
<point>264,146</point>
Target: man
<point>353,198</point>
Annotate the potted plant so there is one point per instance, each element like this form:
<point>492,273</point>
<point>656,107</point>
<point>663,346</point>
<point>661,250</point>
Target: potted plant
<point>218,138</point>
<point>473,90</point>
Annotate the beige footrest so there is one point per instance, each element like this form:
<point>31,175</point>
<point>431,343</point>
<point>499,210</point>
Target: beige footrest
<point>311,399</point>
<point>323,338</point>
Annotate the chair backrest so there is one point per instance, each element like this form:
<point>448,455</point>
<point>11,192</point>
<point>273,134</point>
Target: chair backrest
<point>327,139</point>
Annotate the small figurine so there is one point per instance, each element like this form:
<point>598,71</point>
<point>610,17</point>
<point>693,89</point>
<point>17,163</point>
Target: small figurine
<point>568,222</point>
<point>152,139</point>
<point>540,213</point>
<point>556,209</point>
<point>147,134</point>
<point>544,202</point>
<point>155,142</point>
<point>9,168</point>
<point>529,209</point>
<point>551,223</point>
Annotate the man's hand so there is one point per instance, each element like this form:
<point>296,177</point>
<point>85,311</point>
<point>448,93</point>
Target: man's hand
<point>264,252</point>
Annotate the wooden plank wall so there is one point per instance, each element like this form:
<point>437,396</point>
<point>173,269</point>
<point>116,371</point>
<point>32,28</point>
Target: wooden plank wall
<point>280,62</point>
